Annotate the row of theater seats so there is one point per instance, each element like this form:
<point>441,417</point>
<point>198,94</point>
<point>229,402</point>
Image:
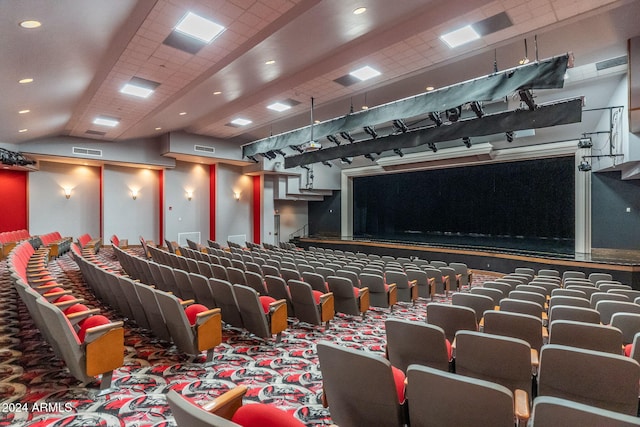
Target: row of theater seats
<point>240,306</point>
<point>192,327</point>
<point>9,240</point>
<point>89,343</point>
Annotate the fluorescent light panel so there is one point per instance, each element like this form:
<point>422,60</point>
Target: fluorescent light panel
<point>241,122</point>
<point>106,121</point>
<point>460,36</point>
<point>365,73</point>
<point>199,28</point>
<point>279,106</point>
<point>131,89</point>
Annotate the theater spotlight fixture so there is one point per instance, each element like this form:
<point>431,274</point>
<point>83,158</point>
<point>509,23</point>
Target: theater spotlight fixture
<point>509,136</point>
<point>584,166</point>
<point>466,141</point>
<point>453,114</point>
<point>327,164</point>
<point>332,138</point>
<point>432,147</point>
<point>477,108</point>
<point>370,157</point>
<point>398,152</point>
<point>279,152</point>
<point>585,142</point>
<point>269,155</point>
<point>371,132</point>
<point>253,159</point>
<point>297,148</point>
<point>527,97</point>
<point>346,135</point>
<point>400,125</point>
<point>435,118</point>
<point>347,160</point>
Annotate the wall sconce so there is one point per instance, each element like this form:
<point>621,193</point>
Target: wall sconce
<point>189,195</point>
<point>67,193</point>
<point>236,195</point>
<point>134,194</point>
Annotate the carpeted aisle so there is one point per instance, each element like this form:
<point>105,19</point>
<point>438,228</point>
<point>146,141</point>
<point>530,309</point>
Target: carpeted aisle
<point>37,390</point>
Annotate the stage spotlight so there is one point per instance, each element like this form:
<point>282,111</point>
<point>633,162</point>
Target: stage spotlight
<point>297,148</point>
<point>327,164</point>
<point>370,157</point>
<point>453,114</point>
<point>371,132</point>
<point>346,135</point>
<point>332,138</point>
<point>477,108</point>
<point>346,160</point>
<point>466,141</point>
<point>432,146</point>
<point>280,153</point>
<point>253,159</point>
<point>400,126</point>
<point>398,152</point>
<point>585,143</point>
<point>509,136</point>
<point>527,97</point>
<point>435,118</point>
<point>584,166</point>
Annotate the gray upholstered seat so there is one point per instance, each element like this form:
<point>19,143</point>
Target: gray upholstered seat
<point>347,299</point>
<point>380,295</point>
<point>515,325</point>
<point>479,303</point>
<point>451,318</point>
<point>226,300</point>
<point>260,322</point>
<point>307,307</point>
<point>552,412</point>
<point>407,291</point>
<point>411,342</point>
<point>590,336</point>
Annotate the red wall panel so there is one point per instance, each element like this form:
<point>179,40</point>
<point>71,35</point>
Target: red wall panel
<point>13,200</point>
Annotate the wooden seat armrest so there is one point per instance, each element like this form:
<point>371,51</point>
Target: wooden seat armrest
<point>65,304</point>
<point>209,329</point>
<point>36,281</point>
<point>205,315</point>
<point>227,403</point>
<point>55,295</point>
<point>413,282</point>
<point>392,286</point>
<point>78,317</point>
<point>535,361</point>
<point>521,405</point>
<point>278,316</point>
<point>431,280</point>
<point>97,331</point>
<point>187,302</point>
<point>44,288</point>
<point>544,316</point>
<point>325,297</point>
<point>276,304</point>
<point>38,273</point>
<point>327,307</point>
<point>545,333</point>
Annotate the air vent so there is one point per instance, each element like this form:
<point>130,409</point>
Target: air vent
<point>204,149</point>
<point>183,43</point>
<point>95,132</point>
<point>347,80</point>
<point>87,152</point>
<point>610,63</point>
<point>493,24</point>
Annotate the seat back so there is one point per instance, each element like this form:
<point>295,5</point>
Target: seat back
<point>606,381</point>
<point>401,281</point>
<point>443,399</point>
<point>411,342</point>
<point>186,414</point>
<point>549,272</point>
<point>236,276</point>
<point>343,294</point>
<point>596,297</point>
<point>377,292</point>
<point>479,303</point>
<point>595,277</point>
<point>521,306</point>
<point>316,281</point>
<point>139,315</point>
<point>202,290</point>
<point>572,301</point>
<point>152,310</point>
<point>536,297</point>
<point>422,281</point>
<point>590,336</point>
<point>177,323</point>
<point>608,308</point>
<point>495,294</point>
<point>359,387</point>
<point>451,318</point>
<point>254,318</point>
<point>499,359</point>
<point>502,286</point>
<point>219,272</point>
<point>552,411</point>
<point>588,290</point>
<point>628,323</point>
<point>290,274</point>
<point>569,274</point>
<point>576,314</point>
<point>225,297</point>
<point>568,293</point>
<point>184,284</point>
<point>255,281</point>
<point>278,289</point>
<point>515,325</point>
<point>304,303</point>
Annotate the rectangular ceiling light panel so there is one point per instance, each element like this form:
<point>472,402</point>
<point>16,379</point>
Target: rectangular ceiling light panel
<point>199,28</point>
<point>460,36</point>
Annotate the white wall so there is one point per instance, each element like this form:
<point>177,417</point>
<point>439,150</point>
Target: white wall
<point>49,210</point>
<point>123,216</point>
<point>180,214</point>
<point>293,216</point>
<point>233,217</point>
<point>268,209</point>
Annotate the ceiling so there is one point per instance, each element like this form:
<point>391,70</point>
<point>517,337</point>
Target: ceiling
<point>85,51</point>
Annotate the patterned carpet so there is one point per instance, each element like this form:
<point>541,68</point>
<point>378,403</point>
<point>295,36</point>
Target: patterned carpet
<point>36,389</point>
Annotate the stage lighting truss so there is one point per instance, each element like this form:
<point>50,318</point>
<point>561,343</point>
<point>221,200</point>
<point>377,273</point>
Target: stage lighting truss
<point>333,139</point>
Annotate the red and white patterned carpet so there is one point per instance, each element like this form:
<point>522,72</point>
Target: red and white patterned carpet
<point>36,389</point>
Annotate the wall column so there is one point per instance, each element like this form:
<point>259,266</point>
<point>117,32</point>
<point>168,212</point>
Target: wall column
<point>582,206</point>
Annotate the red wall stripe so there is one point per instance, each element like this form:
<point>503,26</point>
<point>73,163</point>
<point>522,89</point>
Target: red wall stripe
<point>257,208</point>
<point>212,202</point>
<point>14,214</point>
<point>161,206</point>
<point>102,203</point>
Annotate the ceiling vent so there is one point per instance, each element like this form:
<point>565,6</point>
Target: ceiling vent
<point>95,132</point>
<point>610,63</point>
<point>80,151</point>
<point>204,149</point>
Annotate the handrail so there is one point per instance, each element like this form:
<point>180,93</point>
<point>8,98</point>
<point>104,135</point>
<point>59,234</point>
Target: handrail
<point>302,230</point>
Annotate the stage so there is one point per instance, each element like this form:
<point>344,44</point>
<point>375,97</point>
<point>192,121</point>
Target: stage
<point>483,254</point>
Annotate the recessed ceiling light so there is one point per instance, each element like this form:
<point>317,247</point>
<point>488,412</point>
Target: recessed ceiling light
<point>365,73</point>
<point>241,122</point>
<point>25,80</point>
<point>183,113</point>
<point>131,89</point>
<point>199,28</point>
<point>270,62</point>
<point>430,88</point>
<point>23,130</point>
<point>30,24</point>
<point>278,106</point>
<point>24,111</point>
<point>460,36</point>
<point>359,11</point>
<point>106,121</point>
<point>365,107</point>
<point>217,92</point>
<point>158,128</point>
